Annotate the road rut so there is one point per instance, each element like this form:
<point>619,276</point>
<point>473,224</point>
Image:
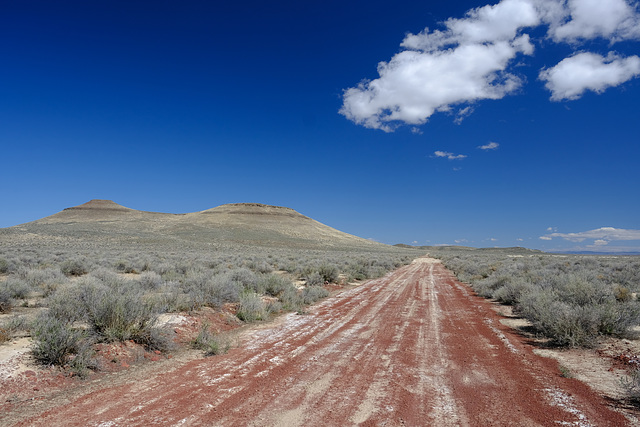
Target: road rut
<point>413,348</point>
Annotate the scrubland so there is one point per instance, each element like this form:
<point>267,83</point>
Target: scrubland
<point>69,300</point>
<point>570,300</point>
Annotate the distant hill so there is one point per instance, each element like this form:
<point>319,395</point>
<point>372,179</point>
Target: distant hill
<point>516,250</point>
<point>104,222</point>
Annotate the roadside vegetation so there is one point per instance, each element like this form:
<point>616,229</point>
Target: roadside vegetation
<point>570,299</point>
<point>69,302</point>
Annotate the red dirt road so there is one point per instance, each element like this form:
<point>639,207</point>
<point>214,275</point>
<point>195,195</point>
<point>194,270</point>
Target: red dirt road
<point>414,348</point>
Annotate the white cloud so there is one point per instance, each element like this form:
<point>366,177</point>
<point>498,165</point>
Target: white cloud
<point>603,234</point>
<point>470,59</point>
<point>520,240</point>
<point>487,24</point>
<point>489,146</point>
<point>588,71</point>
<point>614,20</point>
<point>448,155</point>
<point>601,242</point>
<point>416,84</point>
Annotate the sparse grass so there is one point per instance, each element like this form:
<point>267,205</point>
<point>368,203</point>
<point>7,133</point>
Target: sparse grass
<point>565,372</point>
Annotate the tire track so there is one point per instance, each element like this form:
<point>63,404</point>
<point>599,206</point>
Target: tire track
<point>412,348</point>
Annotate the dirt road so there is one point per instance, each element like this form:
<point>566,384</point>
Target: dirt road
<point>414,348</point>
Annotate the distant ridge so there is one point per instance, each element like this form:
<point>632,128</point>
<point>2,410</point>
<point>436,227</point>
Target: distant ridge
<point>97,204</point>
<point>254,209</point>
<point>104,222</point>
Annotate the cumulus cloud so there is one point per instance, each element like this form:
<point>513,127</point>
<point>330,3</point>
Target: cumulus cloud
<point>588,71</point>
<point>489,146</point>
<point>601,235</point>
<point>588,19</point>
<point>448,155</point>
<point>472,59</point>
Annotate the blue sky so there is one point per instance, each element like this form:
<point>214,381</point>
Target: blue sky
<point>474,123</point>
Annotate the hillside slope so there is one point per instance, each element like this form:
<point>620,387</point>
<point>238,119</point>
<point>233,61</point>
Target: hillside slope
<point>104,222</point>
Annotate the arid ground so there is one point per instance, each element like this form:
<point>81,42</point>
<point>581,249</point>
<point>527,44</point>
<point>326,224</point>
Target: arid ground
<point>415,347</point>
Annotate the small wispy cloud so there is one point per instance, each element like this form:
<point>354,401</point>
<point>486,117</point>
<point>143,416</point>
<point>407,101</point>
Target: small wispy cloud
<point>489,146</point>
<point>449,155</point>
<point>602,235</point>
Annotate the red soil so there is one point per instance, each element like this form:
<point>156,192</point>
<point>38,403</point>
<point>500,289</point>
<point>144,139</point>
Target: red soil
<point>413,348</point>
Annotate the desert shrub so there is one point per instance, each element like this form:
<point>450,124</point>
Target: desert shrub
<point>510,292</point>
<point>73,267</point>
<point>57,342</point>
<point>251,307</point>
<point>150,280</point>
<point>67,302</point>
<point>46,279</point>
<point>617,318</point>
<point>291,299</point>
<point>17,288</point>
<point>245,277</point>
<point>4,266</point>
<point>631,384</point>
<point>155,338</point>
<point>622,294</point>
<point>274,285</point>
<point>311,294</point>
<point>314,279</point>
<point>209,342</point>
<point>126,267</point>
<point>117,311</point>
<point>223,289</point>
<point>6,302</point>
<point>5,334</point>
<point>10,326</point>
<point>329,273</point>
<point>171,298</point>
<point>212,291</point>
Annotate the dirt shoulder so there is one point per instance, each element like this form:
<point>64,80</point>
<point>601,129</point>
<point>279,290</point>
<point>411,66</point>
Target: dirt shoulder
<point>415,347</point>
